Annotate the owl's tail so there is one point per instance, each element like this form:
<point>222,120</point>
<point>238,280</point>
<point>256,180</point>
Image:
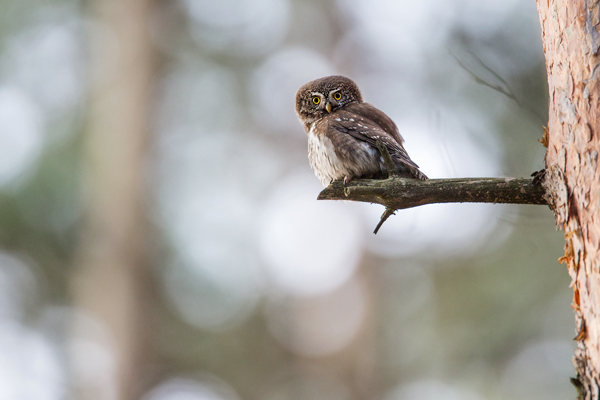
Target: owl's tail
<point>409,171</point>
<point>419,175</point>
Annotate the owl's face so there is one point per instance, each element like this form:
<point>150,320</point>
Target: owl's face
<point>323,96</point>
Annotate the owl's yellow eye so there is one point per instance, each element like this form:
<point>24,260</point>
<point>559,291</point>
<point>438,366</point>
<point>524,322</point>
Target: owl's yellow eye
<point>316,99</point>
<point>337,96</point>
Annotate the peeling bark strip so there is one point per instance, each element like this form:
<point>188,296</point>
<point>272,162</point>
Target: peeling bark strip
<point>571,44</point>
<point>400,193</point>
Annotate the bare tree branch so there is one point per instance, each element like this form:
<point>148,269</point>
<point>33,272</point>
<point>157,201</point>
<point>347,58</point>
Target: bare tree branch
<point>397,193</point>
<point>503,88</point>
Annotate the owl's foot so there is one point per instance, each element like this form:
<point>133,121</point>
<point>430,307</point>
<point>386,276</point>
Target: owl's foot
<point>347,179</point>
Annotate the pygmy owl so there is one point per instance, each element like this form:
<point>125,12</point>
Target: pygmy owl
<point>343,132</point>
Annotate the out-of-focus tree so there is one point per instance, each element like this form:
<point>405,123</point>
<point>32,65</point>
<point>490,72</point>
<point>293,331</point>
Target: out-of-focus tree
<point>571,44</point>
<point>112,277</point>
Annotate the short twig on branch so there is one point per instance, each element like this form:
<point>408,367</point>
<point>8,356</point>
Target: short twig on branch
<point>386,214</point>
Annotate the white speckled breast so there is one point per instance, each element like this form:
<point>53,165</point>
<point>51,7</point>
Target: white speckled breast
<point>323,159</point>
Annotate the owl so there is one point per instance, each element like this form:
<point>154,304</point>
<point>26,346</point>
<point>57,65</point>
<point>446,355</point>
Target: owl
<point>343,132</point>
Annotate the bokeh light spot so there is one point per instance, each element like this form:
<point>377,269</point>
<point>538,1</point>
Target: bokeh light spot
<point>239,26</point>
<point>208,388</point>
<point>318,325</point>
<point>432,390</point>
<point>310,247</point>
<point>21,135</point>
<point>275,83</point>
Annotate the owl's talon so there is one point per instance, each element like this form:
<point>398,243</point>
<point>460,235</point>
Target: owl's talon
<point>347,179</point>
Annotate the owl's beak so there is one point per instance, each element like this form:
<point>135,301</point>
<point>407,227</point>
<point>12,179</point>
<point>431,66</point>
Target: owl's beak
<point>328,107</point>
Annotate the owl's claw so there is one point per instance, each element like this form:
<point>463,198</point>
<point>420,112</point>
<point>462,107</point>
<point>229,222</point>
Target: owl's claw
<point>347,179</point>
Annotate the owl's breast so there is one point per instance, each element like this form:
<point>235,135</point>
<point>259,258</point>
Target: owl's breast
<point>323,159</point>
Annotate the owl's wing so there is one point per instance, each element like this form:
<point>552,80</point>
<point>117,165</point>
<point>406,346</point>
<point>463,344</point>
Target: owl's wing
<point>365,130</point>
<point>380,118</point>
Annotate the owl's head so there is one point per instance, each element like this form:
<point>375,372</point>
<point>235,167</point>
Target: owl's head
<point>323,96</point>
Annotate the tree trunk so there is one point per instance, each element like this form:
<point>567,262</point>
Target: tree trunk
<point>571,42</point>
<point>111,279</point>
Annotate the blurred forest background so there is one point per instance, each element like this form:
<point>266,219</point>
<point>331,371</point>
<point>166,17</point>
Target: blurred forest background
<point>160,237</point>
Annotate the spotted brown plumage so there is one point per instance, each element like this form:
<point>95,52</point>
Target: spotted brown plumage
<point>343,132</point>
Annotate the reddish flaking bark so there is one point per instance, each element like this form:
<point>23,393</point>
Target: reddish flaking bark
<point>571,43</point>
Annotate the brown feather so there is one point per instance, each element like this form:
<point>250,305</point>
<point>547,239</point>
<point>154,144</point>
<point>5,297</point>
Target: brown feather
<point>367,110</point>
<point>363,130</point>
